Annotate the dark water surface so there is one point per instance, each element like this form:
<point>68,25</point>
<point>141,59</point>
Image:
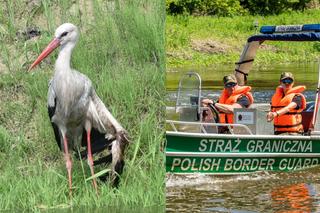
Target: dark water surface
<point>259,192</point>
<point>297,191</point>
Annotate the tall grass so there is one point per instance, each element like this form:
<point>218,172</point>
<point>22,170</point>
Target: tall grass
<point>121,49</point>
<point>229,35</point>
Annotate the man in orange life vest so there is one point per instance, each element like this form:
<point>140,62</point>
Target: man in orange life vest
<point>286,106</point>
<point>233,96</point>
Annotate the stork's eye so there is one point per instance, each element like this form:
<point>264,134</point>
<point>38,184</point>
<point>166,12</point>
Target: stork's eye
<point>63,34</point>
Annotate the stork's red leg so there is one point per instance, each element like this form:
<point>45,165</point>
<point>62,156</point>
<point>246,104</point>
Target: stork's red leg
<point>90,160</point>
<point>68,163</point>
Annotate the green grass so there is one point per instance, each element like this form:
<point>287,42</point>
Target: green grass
<point>232,34</point>
<point>121,49</point>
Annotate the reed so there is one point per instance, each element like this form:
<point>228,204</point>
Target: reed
<point>121,49</point>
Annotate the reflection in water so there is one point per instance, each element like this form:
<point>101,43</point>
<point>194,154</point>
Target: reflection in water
<point>259,192</point>
<point>264,77</point>
<point>97,209</point>
<point>293,198</point>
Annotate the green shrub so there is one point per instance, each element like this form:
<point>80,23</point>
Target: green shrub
<point>205,7</point>
<point>269,7</point>
<point>316,46</point>
<point>233,7</point>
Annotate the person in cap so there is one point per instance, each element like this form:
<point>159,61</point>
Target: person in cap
<point>233,96</point>
<point>286,106</point>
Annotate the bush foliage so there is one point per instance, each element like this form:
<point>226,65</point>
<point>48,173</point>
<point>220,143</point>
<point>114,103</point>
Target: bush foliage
<point>272,7</point>
<point>233,7</point>
<point>205,7</point>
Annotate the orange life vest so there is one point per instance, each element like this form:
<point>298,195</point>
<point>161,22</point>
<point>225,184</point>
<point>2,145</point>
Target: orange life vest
<point>231,99</point>
<point>292,120</point>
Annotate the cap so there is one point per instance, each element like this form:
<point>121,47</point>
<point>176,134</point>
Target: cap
<point>285,75</point>
<point>229,78</point>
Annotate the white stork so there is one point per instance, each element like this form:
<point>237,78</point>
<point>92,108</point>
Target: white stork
<point>74,106</point>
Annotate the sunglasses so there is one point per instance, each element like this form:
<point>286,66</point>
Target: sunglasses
<point>287,81</point>
<point>229,85</point>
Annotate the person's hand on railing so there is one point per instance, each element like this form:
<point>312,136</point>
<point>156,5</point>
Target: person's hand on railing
<point>271,116</point>
<point>206,102</point>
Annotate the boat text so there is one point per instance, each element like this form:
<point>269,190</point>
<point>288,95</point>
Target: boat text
<point>221,145</point>
<point>186,164</point>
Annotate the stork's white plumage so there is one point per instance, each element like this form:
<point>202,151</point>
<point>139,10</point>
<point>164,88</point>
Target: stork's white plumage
<point>74,106</point>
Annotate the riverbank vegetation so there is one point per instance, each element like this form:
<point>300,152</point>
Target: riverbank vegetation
<point>210,40</point>
<point>121,48</point>
<point>237,7</point>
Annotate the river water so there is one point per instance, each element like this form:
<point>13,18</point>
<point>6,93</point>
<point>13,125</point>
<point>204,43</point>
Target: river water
<point>297,191</point>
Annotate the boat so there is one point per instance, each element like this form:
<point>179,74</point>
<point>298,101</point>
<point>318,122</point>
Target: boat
<point>196,146</point>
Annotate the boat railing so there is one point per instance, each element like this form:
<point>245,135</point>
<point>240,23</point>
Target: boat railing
<point>203,125</point>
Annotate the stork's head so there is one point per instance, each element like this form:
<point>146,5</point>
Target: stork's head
<point>65,34</point>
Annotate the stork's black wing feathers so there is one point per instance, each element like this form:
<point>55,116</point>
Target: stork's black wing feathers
<point>51,111</point>
<point>106,160</point>
<point>98,142</point>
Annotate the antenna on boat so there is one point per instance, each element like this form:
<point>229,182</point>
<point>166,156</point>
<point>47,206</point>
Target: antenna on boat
<point>256,26</point>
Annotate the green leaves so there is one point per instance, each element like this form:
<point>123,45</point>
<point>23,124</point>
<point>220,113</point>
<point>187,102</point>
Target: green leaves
<point>233,7</point>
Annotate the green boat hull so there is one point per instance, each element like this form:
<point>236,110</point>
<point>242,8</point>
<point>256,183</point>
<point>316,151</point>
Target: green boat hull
<point>234,154</point>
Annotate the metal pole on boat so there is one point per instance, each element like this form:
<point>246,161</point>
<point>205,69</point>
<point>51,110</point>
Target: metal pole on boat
<point>317,102</point>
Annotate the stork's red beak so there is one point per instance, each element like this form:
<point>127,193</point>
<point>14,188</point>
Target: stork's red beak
<point>51,46</point>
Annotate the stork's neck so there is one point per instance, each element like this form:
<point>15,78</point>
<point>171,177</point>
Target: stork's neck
<point>63,60</point>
